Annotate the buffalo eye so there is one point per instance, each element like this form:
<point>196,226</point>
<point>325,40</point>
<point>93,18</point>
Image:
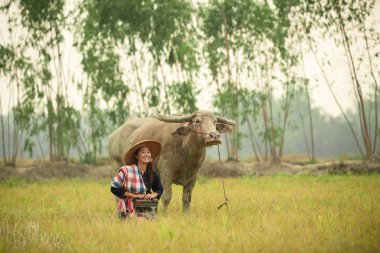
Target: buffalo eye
<point>197,121</point>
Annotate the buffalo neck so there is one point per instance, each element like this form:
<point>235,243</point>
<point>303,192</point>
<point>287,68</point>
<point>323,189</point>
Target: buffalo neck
<point>194,147</point>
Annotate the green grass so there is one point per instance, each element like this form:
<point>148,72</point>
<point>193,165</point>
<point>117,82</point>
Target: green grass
<point>269,214</point>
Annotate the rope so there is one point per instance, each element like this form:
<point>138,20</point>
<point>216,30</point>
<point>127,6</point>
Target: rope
<point>224,189</point>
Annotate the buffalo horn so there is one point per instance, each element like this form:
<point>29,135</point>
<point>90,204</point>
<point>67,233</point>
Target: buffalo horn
<point>174,119</point>
<point>225,121</point>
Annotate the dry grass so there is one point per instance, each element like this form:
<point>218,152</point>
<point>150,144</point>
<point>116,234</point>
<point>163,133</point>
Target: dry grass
<point>267,214</point>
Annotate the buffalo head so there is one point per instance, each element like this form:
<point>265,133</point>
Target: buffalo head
<point>205,126</point>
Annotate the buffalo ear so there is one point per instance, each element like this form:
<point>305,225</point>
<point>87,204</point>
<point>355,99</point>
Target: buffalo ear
<point>183,130</point>
<point>223,128</point>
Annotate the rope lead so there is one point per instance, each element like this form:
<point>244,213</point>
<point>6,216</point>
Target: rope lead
<point>224,189</point>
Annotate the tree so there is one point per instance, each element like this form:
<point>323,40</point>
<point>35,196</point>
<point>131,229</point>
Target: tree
<point>250,38</point>
<point>17,69</point>
<point>344,21</point>
<point>159,34</point>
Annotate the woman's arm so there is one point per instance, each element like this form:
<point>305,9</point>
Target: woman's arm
<point>118,192</point>
<point>116,184</point>
<point>123,193</point>
<point>133,195</point>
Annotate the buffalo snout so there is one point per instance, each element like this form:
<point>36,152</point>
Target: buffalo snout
<point>213,138</point>
<point>215,135</point>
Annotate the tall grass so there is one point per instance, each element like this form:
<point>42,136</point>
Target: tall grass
<point>268,214</point>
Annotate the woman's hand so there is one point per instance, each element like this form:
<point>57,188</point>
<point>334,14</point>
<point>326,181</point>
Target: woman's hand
<point>151,195</point>
<point>140,196</point>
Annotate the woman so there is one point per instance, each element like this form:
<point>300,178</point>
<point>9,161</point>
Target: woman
<point>137,179</point>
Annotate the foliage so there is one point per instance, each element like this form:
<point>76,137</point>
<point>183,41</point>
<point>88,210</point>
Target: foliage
<point>143,56</point>
<point>253,38</point>
<point>35,79</point>
<point>251,102</point>
<point>109,28</point>
<point>6,55</point>
<point>183,96</point>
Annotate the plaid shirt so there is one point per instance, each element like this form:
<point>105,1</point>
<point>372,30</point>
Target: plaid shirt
<point>130,179</point>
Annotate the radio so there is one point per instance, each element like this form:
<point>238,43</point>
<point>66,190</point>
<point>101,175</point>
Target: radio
<point>145,207</point>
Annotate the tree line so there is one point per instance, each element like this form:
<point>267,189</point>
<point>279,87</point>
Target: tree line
<point>143,56</point>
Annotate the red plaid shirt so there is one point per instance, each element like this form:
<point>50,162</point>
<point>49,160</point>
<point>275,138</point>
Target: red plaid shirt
<point>130,179</point>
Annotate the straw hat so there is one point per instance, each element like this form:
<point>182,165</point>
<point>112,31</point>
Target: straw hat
<point>154,147</point>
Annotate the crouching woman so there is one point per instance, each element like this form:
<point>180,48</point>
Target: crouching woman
<point>137,179</point>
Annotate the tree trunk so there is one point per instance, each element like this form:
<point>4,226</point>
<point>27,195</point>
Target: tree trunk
<point>223,114</point>
<point>16,126</point>
<point>269,94</point>
<point>311,125</point>
<point>266,127</point>
<point>139,82</point>
<point>3,132</point>
<point>304,132</point>
<point>250,131</point>
<point>164,83</point>
<point>230,88</point>
<point>50,132</point>
<point>60,101</point>
<point>60,129</point>
<point>309,110</point>
<point>41,148</point>
<point>15,143</point>
<point>374,79</point>
<point>264,110</point>
<point>363,121</point>
<point>335,99</point>
<point>289,95</point>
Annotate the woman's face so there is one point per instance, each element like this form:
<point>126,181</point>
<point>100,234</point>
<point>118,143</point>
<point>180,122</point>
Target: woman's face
<point>144,155</point>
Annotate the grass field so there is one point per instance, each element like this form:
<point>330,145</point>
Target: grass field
<point>268,214</point>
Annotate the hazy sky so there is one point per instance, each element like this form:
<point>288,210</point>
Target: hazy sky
<point>321,97</point>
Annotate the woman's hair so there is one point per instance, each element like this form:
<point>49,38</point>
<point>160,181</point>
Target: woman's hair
<point>150,170</point>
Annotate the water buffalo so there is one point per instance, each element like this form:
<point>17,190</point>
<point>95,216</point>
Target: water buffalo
<point>183,139</point>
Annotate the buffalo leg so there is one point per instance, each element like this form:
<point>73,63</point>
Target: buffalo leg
<point>166,181</point>
<point>167,195</point>
<point>186,195</point>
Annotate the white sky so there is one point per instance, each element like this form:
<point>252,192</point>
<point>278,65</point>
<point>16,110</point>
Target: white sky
<point>321,96</point>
